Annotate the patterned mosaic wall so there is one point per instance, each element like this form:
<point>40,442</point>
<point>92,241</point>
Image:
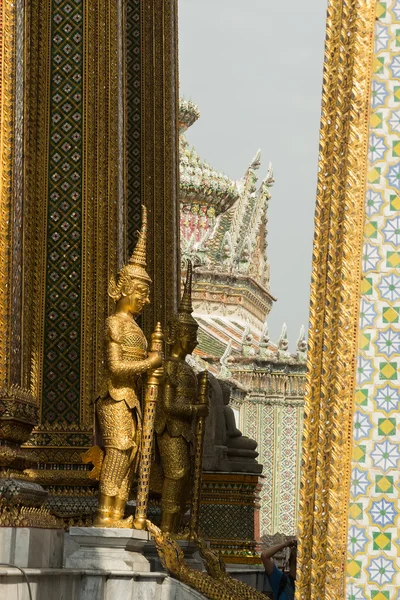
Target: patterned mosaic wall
<point>61,369</point>
<point>62,364</point>
<point>276,425</point>
<point>373,570</point>
<point>134,107</point>
<point>229,515</point>
<point>267,452</point>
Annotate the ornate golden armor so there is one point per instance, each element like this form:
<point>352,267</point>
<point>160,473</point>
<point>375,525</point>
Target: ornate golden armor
<point>174,428</point>
<point>178,401</point>
<point>118,409</point>
<point>176,413</point>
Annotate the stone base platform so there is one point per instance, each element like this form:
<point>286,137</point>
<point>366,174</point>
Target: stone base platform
<point>81,584</point>
<point>106,548</point>
<point>99,564</point>
<point>31,547</point>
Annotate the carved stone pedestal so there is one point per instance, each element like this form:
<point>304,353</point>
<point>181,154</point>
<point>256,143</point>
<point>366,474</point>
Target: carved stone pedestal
<point>107,549</point>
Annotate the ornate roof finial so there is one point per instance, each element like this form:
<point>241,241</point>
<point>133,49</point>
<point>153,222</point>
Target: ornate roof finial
<point>255,163</point>
<point>270,174</point>
<point>224,371</point>
<point>264,350</point>
<point>188,114</point>
<point>283,342</point>
<point>302,342</point>
<point>247,340</point>
<point>135,269</point>
<point>265,339</point>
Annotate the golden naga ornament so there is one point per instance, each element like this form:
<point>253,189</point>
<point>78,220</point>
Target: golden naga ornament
<point>118,409</point>
<point>177,414</point>
<point>216,584</point>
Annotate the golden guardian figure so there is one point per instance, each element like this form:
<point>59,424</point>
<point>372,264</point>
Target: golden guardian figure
<point>119,409</point>
<point>176,413</point>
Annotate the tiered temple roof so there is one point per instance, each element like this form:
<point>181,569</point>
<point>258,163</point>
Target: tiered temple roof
<point>224,233</point>
<point>200,184</point>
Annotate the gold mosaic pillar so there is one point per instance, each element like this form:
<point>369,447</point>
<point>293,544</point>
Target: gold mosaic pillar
<point>18,400</point>
<point>160,154</point>
<point>335,295</point>
<point>20,499</point>
<point>101,102</point>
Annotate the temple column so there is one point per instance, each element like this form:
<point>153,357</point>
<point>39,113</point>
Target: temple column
<point>18,403</point>
<point>20,499</point>
<point>101,139</point>
<point>160,174</point>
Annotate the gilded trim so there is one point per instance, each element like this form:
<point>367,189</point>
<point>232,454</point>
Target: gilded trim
<point>6,179</point>
<point>101,187</point>
<point>16,312</point>
<point>334,301</point>
<point>36,94</point>
<point>159,155</point>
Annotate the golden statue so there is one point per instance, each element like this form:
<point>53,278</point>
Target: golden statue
<point>119,408</point>
<point>177,412</point>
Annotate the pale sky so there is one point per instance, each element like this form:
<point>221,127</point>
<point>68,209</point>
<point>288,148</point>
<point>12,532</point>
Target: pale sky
<point>254,68</point>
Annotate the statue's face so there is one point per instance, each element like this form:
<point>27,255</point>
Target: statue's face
<point>139,298</point>
<point>188,339</point>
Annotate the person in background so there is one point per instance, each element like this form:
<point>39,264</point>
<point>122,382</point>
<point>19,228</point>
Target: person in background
<point>282,584</point>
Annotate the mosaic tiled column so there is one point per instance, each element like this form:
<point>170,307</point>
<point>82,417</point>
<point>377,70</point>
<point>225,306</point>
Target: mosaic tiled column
<point>373,568</point>
<point>18,403</point>
<point>20,499</point>
<point>77,170</point>
<point>103,134</point>
<point>334,301</point>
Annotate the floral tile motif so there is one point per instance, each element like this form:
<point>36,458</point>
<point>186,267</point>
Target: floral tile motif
<point>373,569</point>
<point>61,383</point>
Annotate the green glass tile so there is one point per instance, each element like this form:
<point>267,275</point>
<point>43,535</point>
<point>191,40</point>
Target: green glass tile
<point>390,314</point>
<point>382,540</point>
<point>388,370</point>
<point>387,426</point>
<point>361,397</point>
<point>396,147</point>
<point>354,568</point>
<point>379,595</point>
<point>384,484</point>
<point>394,202</point>
<point>393,259</point>
<point>356,511</point>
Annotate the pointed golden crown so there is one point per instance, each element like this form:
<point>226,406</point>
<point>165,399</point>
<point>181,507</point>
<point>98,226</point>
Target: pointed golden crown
<point>135,269</point>
<point>185,307</point>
